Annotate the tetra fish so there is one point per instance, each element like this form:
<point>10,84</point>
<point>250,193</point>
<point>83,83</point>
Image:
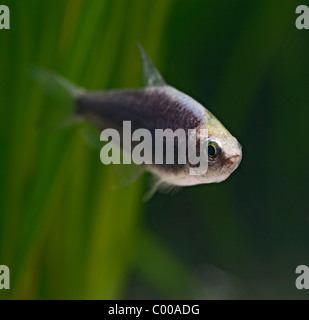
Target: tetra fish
<point>157,106</point>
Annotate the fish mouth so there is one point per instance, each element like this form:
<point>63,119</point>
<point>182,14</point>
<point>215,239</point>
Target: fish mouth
<point>233,161</point>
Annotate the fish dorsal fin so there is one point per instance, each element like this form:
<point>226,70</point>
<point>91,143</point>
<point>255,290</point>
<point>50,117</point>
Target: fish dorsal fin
<point>152,76</point>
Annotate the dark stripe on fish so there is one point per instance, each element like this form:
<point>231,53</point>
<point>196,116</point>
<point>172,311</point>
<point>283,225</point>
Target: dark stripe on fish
<point>151,108</point>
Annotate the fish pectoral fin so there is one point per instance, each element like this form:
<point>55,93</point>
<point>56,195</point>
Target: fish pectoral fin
<point>152,76</point>
<point>91,135</point>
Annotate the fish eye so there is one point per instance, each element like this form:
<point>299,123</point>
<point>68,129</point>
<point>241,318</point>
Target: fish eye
<point>213,149</point>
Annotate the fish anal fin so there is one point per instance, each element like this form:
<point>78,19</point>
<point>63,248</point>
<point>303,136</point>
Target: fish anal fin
<point>125,174</point>
<point>157,185</point>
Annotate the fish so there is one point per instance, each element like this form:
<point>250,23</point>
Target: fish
<point>157,105</point>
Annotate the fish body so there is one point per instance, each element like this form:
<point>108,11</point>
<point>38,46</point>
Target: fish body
<point>155,107</point>
<point>160,106</point>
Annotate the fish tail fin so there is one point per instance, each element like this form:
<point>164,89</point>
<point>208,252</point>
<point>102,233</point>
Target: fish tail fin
<point>63,90</point>
<point>54,84</point>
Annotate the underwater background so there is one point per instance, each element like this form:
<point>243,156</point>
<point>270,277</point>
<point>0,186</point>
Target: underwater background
<point>67,233</point>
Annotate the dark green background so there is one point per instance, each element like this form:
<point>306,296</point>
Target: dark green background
<point>66,233</point>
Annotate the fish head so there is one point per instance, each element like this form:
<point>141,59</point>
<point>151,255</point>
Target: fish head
<point>223,150</point>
